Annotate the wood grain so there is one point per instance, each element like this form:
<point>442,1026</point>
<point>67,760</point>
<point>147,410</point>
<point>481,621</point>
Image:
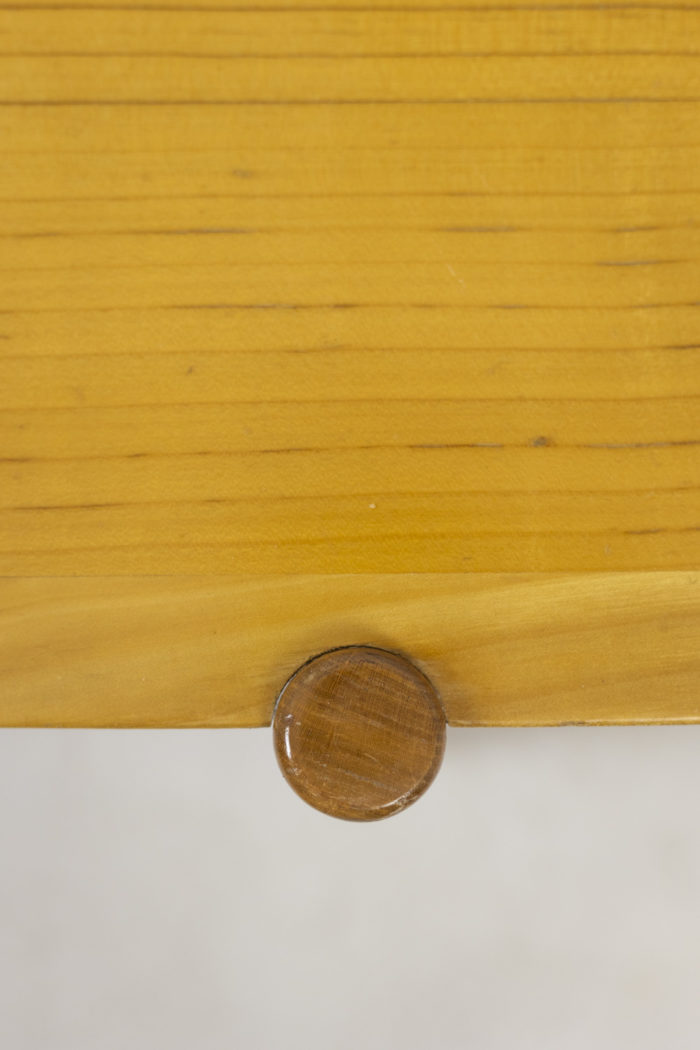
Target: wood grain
<point>359,732</point>
<point>341,287</point>
<point>214,652</point>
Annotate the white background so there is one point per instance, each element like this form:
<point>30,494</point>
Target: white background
<point>168,890</point>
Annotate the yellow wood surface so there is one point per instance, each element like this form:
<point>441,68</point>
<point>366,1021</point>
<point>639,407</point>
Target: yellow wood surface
<point>291,289</point>
<point>502,649</point>
<point>341,287</point>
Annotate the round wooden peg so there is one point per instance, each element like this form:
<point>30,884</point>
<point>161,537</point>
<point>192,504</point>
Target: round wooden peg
<point>359,732</point>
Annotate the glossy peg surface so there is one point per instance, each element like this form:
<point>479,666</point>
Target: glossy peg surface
<point>359,732</point>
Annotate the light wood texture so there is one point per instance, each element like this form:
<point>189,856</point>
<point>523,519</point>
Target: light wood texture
<point>359,732</point>
<point>346,287</point>
<point>500,649</point>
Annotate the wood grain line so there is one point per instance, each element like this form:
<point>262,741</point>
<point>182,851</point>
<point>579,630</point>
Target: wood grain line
<point>369,56</point>
<point>596,308</point>
<point>339,8</point>
<point>412,194</point>
<point>571,100</point>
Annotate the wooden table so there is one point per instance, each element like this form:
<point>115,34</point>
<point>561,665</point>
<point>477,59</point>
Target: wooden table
<point>324,323</point>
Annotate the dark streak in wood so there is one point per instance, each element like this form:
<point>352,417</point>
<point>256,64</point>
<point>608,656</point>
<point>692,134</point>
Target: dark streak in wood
<point>644,444</point>
<point>572,100</point>
<point>316,148</point>
<point>316,229</point>
<point>354,195</point>
<point>303,541</point>
<point>560,308</point>
<point>341,56</point>
<point>652,532</point>
<point>353,9</point>
<point>541,442</point>
<point>638,262</point>
<point>373,494</point>
<point>301,351</point>
<point>542,264</point>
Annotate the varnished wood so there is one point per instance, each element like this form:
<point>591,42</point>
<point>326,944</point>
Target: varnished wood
<point>344,287</point>
<point>359,732</point>
<point>211,652</point>
<point>316,288</point>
